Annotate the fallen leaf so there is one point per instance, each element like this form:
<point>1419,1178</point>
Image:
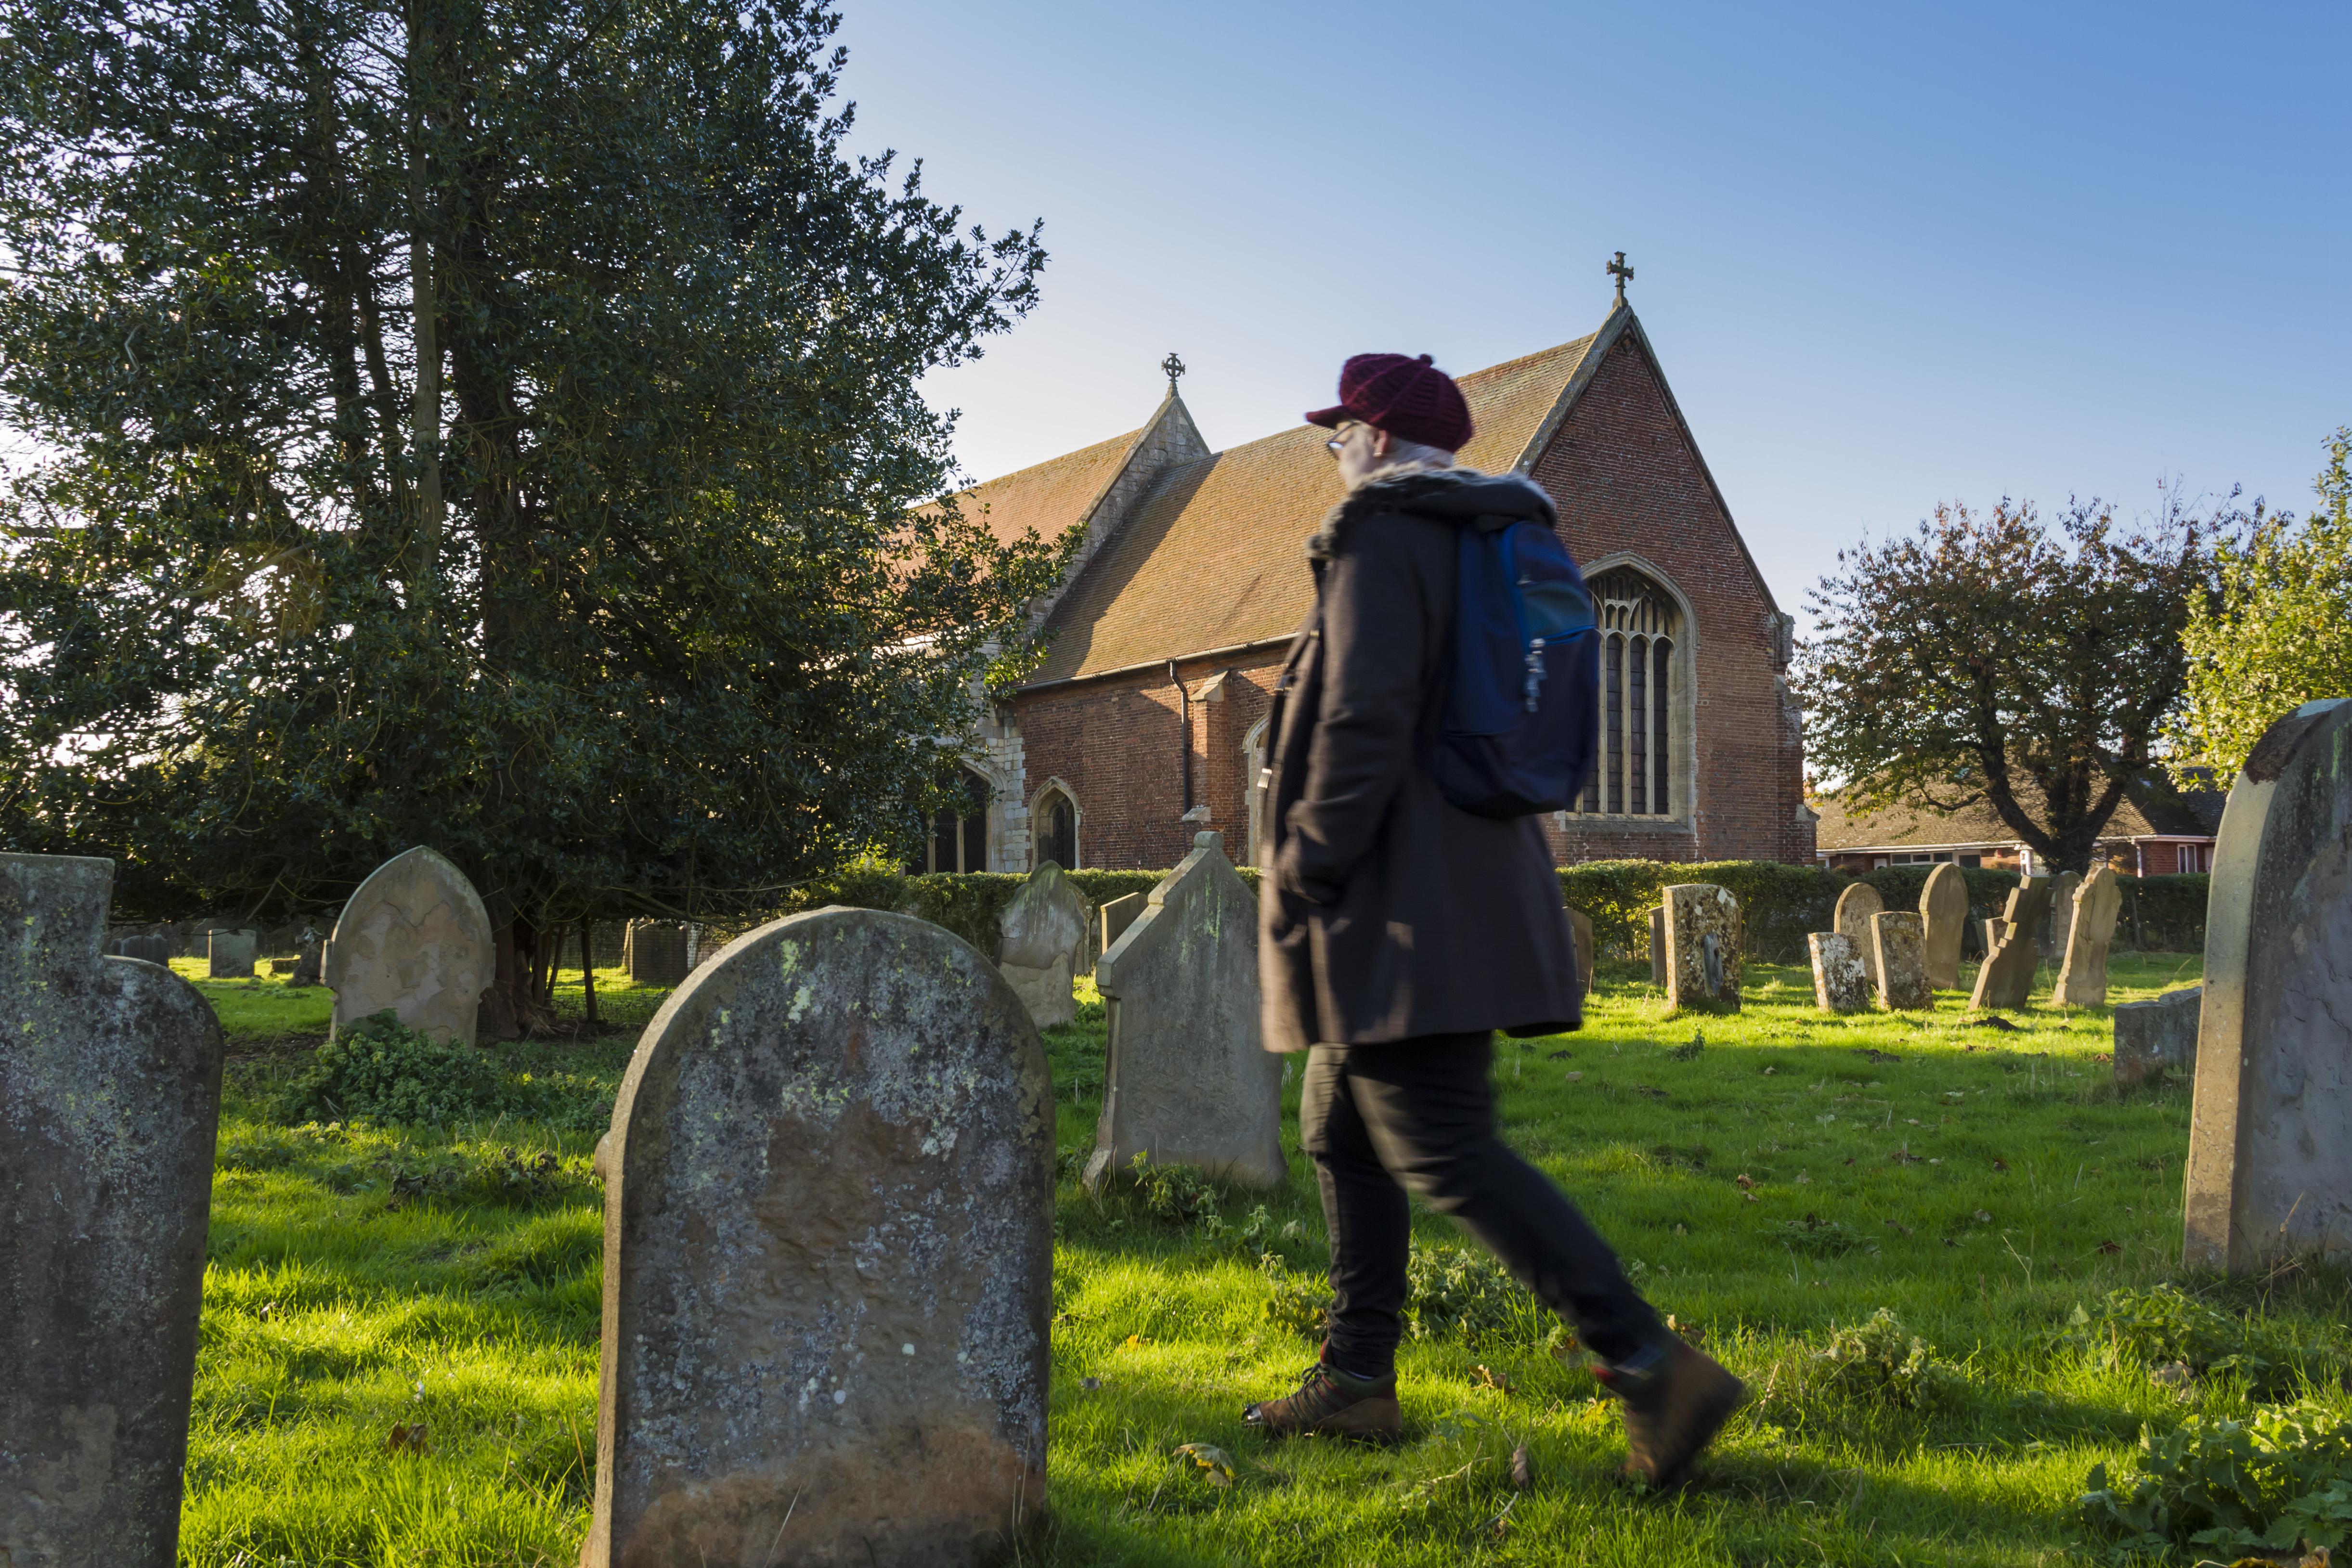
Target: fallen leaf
<point>2002,1165</point>
<point>2111,1247</point>
<point>1523,1474</point>
<point>1905,1228</point>
<point>1744,1181</point>
<point>1213,1462</point>
<point>1749,1197</point>
<point>2174,1375</point>
<point>1868,1054</point>
<point>1486,1377</point>
<point>1559,1056</point>
<point>1984,1216</point>
<point>1136,1341</point>
<point>1090,1383</point>
<point>1652,1093</point>
<point>1994,1021</point>
<point>407,1439</point>
<point>1691,1332</point>
<point>1848,1159</point>
<point>1950,1242</point>
<point>1574,1076</point>
<point>2103,1056</point>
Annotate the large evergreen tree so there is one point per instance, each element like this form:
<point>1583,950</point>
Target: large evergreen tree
<point>489,425</point>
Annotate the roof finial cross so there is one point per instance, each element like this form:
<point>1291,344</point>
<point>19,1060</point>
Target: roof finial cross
<point>1172,367</point>
<point>1623,274</point>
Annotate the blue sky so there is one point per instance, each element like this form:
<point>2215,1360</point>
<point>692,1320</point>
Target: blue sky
<point>1889,255</point>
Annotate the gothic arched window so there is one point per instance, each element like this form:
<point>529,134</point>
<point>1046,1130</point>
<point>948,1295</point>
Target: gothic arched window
<point>958,839</point>
<point>1057,831</point>
<point>1633,768</point>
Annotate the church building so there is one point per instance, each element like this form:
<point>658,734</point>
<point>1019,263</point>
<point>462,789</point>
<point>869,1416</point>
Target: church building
<point>1147,721</point>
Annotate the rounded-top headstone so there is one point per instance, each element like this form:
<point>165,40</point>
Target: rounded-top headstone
<point>413,938</point>
<point>1042,945</point>
<point>1943,914</point>
<point>828,1258</point>
<point>1855,906</point>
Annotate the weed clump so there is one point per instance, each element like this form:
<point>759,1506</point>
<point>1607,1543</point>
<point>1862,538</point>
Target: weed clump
<point>2282,1481</point>
<point>379,1070</point>
<point>2164,1325</point>
<point>1454,1293</point>
<point>1882,1362</point>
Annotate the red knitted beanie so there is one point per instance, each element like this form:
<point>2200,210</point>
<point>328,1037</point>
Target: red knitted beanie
<point>1410,398</point>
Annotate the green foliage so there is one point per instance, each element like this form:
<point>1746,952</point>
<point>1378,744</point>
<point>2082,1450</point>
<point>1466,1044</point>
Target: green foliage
<point>1880,1360</point>
<point>2280,633</point>
<point>2164,1325</point>
<point>682,627</point>
<point>1813,1237</point>
<point>1294,1303</point>
<point>2279,1481</point>
<point>380,1071</point>
<point>1463,1293</point>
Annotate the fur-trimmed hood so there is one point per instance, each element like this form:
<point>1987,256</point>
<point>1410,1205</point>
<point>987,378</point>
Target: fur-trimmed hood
<point>1455,494</point>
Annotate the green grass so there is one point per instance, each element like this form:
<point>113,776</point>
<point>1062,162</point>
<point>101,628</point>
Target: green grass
<point>1981,1187</point>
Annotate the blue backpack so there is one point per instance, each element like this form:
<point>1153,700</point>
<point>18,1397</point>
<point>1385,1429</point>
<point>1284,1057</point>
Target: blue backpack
<point>1522,712</point>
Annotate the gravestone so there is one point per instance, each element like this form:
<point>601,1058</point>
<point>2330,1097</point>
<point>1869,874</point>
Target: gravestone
<point>1043,930</point>
<point>412,938</point>
<point>828,1258</point>
<point>2005,979</point>
<point>309,966</point>
<point>1899,941</point>
<point>146,949</point>
<point>1186,1079</point>
<point>1118,914</point>
<point>653,952</point>
<point>1658,946</point>
<point>1944,915</point>
<point>2082,978</point>
<point>1580,925</point>
<point>1841,984</point>
<point>228,955</point>
<point>2052,938</point>
<point>2270,1166</point>
<point>1855,906</point>
<point>1703,938</point>
<point>2154,1036</point>
<point>109,1091</point>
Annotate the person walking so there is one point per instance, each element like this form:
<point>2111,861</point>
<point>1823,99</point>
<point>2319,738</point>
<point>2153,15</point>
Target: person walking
<point>1398,932</point>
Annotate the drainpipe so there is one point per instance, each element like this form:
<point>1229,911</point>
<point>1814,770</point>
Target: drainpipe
<point>1185,733</point>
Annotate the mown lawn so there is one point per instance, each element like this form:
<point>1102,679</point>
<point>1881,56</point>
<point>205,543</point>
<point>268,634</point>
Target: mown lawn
<point>1790,1176</point>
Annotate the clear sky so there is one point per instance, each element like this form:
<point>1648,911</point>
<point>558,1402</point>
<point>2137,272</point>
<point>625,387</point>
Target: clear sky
<point>1889,255</point>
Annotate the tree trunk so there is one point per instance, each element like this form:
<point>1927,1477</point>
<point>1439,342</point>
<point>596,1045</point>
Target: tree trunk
<point>588,974</point>
<point>513,1008</point>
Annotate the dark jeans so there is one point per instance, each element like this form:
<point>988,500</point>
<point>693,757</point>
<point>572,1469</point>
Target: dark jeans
<point>1418,1116</point>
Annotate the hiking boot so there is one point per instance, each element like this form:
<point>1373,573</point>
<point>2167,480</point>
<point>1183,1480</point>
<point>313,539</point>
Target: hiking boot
<point>1674,1407</point>
<point>1333,1403</point>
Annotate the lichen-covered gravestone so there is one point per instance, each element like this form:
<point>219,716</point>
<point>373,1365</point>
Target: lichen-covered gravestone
<point>1855,906</point>
<point>2270,1165</point>
<point>2082,978</point>
<point>2157,1036</point>
<point>109,1090</point>
<point>1899,943</point>
<point>828,1259</point>
<point>2005,979</point>
<point>1186,1077</point>
<point>412,938</point>
<point>1580,926</point>
<point>228,955</point>
<point>1703,940</point>
<point>1841,985</point>
<point>1045,930</point>
<point>1944,916</point>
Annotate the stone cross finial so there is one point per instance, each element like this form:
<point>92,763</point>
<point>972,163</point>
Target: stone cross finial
<point>1621,273</point>
<point>1173,367</point>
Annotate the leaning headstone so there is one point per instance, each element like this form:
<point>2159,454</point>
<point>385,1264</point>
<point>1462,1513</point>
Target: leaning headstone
<point>1658,946</point>
<point>2155,1037</point>
<point>412,938</point>
<point>109,1091</point>
<point>1118,914</point>
<point>2082,978</point>
<point>1944,915</point>
<point>1186,1080</point>
<point>1855,906</point>
<point>1043,927</point>
<point>309,966</point>
<point>2052,938</point>
<point>1580,926</point>
<point>1899,942</point>
<point>228,955</point>
<point>1841,984</point>
<point>1703,939</point>
<point>828,1258</point>
<point>654,953</point>
<point>2270,1167</point>
<point>2005,979</point>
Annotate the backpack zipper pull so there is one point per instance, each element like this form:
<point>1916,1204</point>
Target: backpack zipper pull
<point>1535,671</point>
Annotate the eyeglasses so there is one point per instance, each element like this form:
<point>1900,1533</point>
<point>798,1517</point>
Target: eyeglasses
<point>1339,439</point>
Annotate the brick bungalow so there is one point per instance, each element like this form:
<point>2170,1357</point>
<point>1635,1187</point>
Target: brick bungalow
<point>2157,830</point>
<point>1146,723</point>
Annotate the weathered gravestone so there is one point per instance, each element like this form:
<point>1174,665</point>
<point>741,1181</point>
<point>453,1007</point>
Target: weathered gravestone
<point>2270,1165</point>
<point>1899,943</point>
<point>1044,928</point>
<point>828,1259</point>
<point>1841,984</point>
<point>412,938</point>
<point>1944,915</point>
<point>1855,906</point>
<point>1580,926</point>
<point>653,953</point>
<point>2052,938</point>
<point>2155,1037</point>
<point>1658,946</point>
<point>309,966</point>
<point>2090,933</point>
<point>110,1088</point>
<point>1117,916</point>
<point>2005,979</point>
<point>228,955</point>
<point>1703,939</point>
<point>1186,1080</point>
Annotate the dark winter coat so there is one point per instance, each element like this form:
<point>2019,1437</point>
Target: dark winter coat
<point>1385,913</point>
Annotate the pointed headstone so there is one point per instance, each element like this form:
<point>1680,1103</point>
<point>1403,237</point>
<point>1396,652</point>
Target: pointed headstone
<point>109,1091</point>
<point>1580,925</point>
<point>2005,979</point>
<point>413,938</point>
<point>1044,932</point>
<point>1118,914</point>
<point>1703,941</point>
<point>1855,906</point>
<point>1841,985</point>
<point>2052,934</point>
<point>2082,978</point>
<point>1898,942</point>
<point>228,955</point>
<point>828,1258</point>
<point>1944,916</point>
<point>2270,1167</point>
<point>1186,1080</point>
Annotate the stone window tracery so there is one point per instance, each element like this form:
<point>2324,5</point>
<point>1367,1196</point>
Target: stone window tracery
<point>1634,763</point>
